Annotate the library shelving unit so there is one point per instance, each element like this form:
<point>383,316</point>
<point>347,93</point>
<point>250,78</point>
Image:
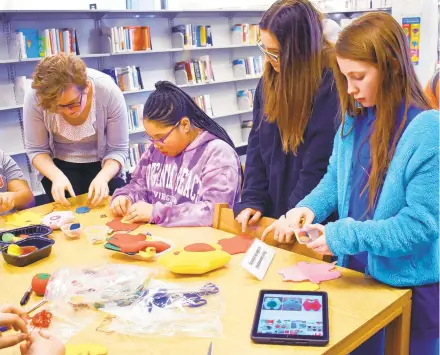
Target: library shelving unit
<point>156,64</point>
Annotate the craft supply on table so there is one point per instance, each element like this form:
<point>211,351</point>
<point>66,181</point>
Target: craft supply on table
<point>18,234</point>
<point>118,226</point>
<point>236,245</point>
<point>25,299</point>
<point>55,220</point>
<point>71,230</point>
<point>140,247</point>
<point>258,259</point>
<point>42,319</point>
<point>39,283</point>
<point>82,210</point>
<point>27,251</point>
<point>85,349</point>
<point>96,234</point>
<point>306,235</point>
<point>183,261</point>
<point>314,272</point>
<point>36,306</point>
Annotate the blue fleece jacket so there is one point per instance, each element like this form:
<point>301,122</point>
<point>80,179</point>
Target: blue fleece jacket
<point>402,238</point>
<point>275,181</point>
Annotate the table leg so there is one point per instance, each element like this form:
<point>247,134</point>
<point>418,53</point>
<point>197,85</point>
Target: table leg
<point>397,333</point>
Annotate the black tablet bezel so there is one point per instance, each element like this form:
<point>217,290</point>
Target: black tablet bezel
<point>289,338</point>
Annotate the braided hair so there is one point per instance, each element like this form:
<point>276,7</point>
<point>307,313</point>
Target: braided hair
<point>168,104</point>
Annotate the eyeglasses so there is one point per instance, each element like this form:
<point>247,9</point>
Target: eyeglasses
<point>71,105</point>
<point>273,57</point>
<point>161,141</point>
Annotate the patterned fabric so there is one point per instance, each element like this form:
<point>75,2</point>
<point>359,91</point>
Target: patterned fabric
<point>66,134</point>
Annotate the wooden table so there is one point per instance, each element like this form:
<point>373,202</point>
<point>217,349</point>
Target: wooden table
<point>358,306</point>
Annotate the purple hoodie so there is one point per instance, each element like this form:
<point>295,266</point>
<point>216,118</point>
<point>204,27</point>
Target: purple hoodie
<point>184,189</point>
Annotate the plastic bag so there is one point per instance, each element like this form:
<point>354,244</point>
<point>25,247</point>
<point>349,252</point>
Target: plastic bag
<point>170,309</point>
<point>87,287</point>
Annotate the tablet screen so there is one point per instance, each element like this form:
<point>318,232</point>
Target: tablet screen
<point>291,315</point>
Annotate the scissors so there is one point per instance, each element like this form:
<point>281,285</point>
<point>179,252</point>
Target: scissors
<point>165,299</point>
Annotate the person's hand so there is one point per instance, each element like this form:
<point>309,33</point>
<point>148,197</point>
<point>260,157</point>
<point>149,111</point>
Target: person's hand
<point>42,343</point>
<point>248,216</point>
<point>13,318</point>
<point>320,245</point>
<point>98,191</point>
<point>59,185</point>
<point>120,206</point>
<point>283,232</point>
<point>300,217</point>
<point>7,201</point>
<point>139,212</point>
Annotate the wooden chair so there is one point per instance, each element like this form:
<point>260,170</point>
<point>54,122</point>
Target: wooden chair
<point>225,221</point>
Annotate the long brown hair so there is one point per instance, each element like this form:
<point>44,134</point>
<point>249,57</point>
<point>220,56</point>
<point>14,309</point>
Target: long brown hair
<point>288,95</point>
<point>378,39</point>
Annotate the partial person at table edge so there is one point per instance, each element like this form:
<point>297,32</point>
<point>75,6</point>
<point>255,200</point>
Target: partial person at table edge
<point>190,165</point>
<point>76,129</point>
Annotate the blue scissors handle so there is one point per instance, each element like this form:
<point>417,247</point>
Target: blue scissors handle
<point>195,302</point>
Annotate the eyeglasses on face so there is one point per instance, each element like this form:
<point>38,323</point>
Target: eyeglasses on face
<point>161,141</point>
<point>273,57</point>
<point>72,105</point>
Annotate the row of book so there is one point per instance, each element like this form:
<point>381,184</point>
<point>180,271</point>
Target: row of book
<point>134,155</point>
<point>128,78</point>
<point>245,34</point>
<point>34,44</point>
<point>135,115</point>
<point>245,99</point>
<point>248,66</point>
<point>204,102</point>
<point>191,36</point>
<point>195,71</point>
<point>128,38</point>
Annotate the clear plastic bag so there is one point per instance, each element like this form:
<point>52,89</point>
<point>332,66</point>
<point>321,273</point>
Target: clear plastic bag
<point>169,309</point>
<point>138,304</point>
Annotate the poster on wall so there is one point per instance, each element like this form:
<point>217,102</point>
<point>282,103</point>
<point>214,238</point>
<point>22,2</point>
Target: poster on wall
<point>411,26</point>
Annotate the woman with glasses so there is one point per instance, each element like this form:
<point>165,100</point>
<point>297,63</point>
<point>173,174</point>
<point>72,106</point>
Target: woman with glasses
<point>295,114</point>
<point>76,129</point>
<point>189,166</point>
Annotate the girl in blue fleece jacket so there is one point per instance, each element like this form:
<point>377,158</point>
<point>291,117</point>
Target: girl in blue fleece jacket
<point>383,176</point>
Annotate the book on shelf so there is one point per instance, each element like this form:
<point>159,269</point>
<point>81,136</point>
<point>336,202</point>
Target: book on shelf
<point>135,152</point>
<point>128,78</point>
<point>126,39</point>
<point>245,99</point>
<point>135,114</point>
<point>248,66</point>
<point>245,34</point>
<point>246,126</point>
<point>204,102</point>
<point>191,36</point>
<point>35,44</point>
<point>194,71</point>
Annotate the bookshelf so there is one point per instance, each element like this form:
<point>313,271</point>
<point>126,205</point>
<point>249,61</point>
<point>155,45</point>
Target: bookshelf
<point>156,64</point>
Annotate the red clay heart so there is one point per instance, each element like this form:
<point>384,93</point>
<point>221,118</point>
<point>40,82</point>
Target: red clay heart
<point>199,247</point>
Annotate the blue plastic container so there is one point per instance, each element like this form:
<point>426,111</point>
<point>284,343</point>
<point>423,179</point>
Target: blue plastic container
<point>44,248</point>
<point>37,230</point>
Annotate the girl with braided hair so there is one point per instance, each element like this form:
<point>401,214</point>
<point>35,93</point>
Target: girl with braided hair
<point>190,165</point>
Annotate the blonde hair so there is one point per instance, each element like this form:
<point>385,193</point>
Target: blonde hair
<point>54,74</point>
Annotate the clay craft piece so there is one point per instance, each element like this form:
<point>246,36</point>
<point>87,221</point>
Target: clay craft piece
<point>135,243</point>
<point>236,245</point>
<point>42,319</point>
<point>83,210</point>
<point>39,283</point>
<point>8,237</point>
<point>118,226</point>
<point>314,272</point>
<point>199,248</point>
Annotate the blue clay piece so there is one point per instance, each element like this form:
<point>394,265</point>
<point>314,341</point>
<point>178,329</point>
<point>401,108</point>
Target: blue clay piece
<point>75,226</point>
<point>82,210</point>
